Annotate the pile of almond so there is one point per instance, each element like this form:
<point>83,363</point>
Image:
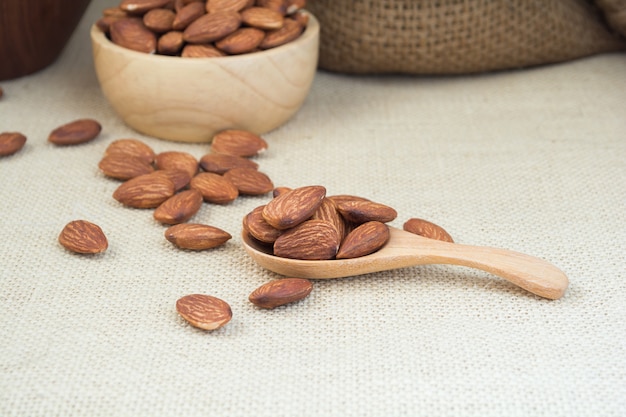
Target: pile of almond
<point>203,28</point>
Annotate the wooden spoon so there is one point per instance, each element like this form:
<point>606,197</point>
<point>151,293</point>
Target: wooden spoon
<point>406,249</point>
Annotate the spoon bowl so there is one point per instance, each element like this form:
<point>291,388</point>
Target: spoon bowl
<point>406,249</point>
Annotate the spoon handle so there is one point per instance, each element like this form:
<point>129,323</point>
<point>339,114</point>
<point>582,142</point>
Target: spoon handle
<point>531,273</point>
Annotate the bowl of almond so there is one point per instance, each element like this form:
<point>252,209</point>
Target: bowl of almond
<point>184,70</point>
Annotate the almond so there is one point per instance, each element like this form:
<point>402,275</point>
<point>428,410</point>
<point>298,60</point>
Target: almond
<point>250,181</point>
<point>144,191</point>
<point>342,198</point>
<point>201,51</point>
<point>76,132</point>
<point>196,236</point>
<point>238,142</point>
<point>176,160</point>
<point>280,190</point>
<point>220,163</point>
<point>364,211</point>
<point>427,229</point>
<point>291,30</point>
<point>258,228</point>
<point>241,41</point>
<point>294,207</point>
<point>188,14</point>
<point>81,236</point>
<point>215,6</point>
<point>311,240</point>
<point>179,178</point>
<point>212,27</point>
<point>276,5</point>
<point>365,239</point>
<point>131,147</point>
<point>11,142</point>
<point>179,208</point>
<point>262,18</point>
<point>114,11</point>
<point>170,43</point>
<point>124,167</point>
<point>159,20</point>
<point>280,292</point>
<point>105,22</point>
<point>131,33</point>
<point>328,211</point>
<point>141,6</point>
<point>214,188</point>
<point>204,311</point>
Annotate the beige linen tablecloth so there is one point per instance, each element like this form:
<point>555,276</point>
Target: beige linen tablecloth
<point>530,160</point>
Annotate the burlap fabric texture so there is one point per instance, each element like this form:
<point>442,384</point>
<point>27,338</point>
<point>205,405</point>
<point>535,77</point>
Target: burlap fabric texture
<point>463,36</point>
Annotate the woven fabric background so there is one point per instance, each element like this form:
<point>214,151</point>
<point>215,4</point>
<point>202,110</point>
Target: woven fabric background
<point>528,160</point>
<point>461,36</point>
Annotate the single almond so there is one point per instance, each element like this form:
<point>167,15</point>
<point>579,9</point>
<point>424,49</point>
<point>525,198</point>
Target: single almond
<point>131,147</point>
<point>114,11</point>
<point>144,191</point>
<point>124,167</point>
<point>241,41</point>
<point>212,27</point>
<point>238,142</point>
<point>279,6</point>
<point>159,20</point>
<point>365,239</point>
<point>179,208</point>
<point>280,292</point>
<point>294,207</point>
<point>328,211</point>
<point>220,163</point>
<point>215,6</point>
<point>76,132</point>
<point>81,236</point>
<point>141,6</point>
<point>311,240</point>
<point>204,311</point>
<point>343,198</point>
<point>179,178</point>
<point>427,229</point>
<point>195,236</point>
<point>176,160</point>
<point>201,51</point>
<point>290,31</point>
<point>188,14</point>
<point>214,188</point>
<point>364,211</point>
<point>131,33</point>
<point>258,228</point>
<point>250,181</point>
<point>262,18</point>
<point>170,43</point>
<point>11,142</point>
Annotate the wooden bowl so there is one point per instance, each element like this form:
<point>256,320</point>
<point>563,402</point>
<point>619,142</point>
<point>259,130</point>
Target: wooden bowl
<point>191,99</point>
<point>33,33</point>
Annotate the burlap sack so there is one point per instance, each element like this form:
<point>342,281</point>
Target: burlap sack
<point>463,36</point>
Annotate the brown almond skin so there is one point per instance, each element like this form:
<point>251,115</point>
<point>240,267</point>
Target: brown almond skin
<point>293,207</point>
<point>280,292</point>
<point>212,27</point>
<point>276,5</point>
<point>220,163</point>
<point>175,160</point>
<point>179,177</point>
<point>364,211</point>
<point>204,311</point>
<point>141,6</point>
<point>179,208</point>
<point>258,228</point>
<point>241,41</point>
<point>262,18</point>
<point>124,167</point>
<point>250,181</point>
<point>214,188</point>
<point>81,236</point>
<point>201,51</point>
<point>291,30</point>
<point>11,142</point>
<point>131,147</point>
<point>195,236</point>
<point>132,34</point>
<point>76,132</point>
<point>188,14</point>
<point>328,211</point>
<point>159,20</point>
<point>280,190</point>
<point>215,6</point>
<point>311,240</point>
<point>365,239</point>
<point>427,229</point>
<point>144,191</point>
<point>238,142</point>
<point>170,43</point>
